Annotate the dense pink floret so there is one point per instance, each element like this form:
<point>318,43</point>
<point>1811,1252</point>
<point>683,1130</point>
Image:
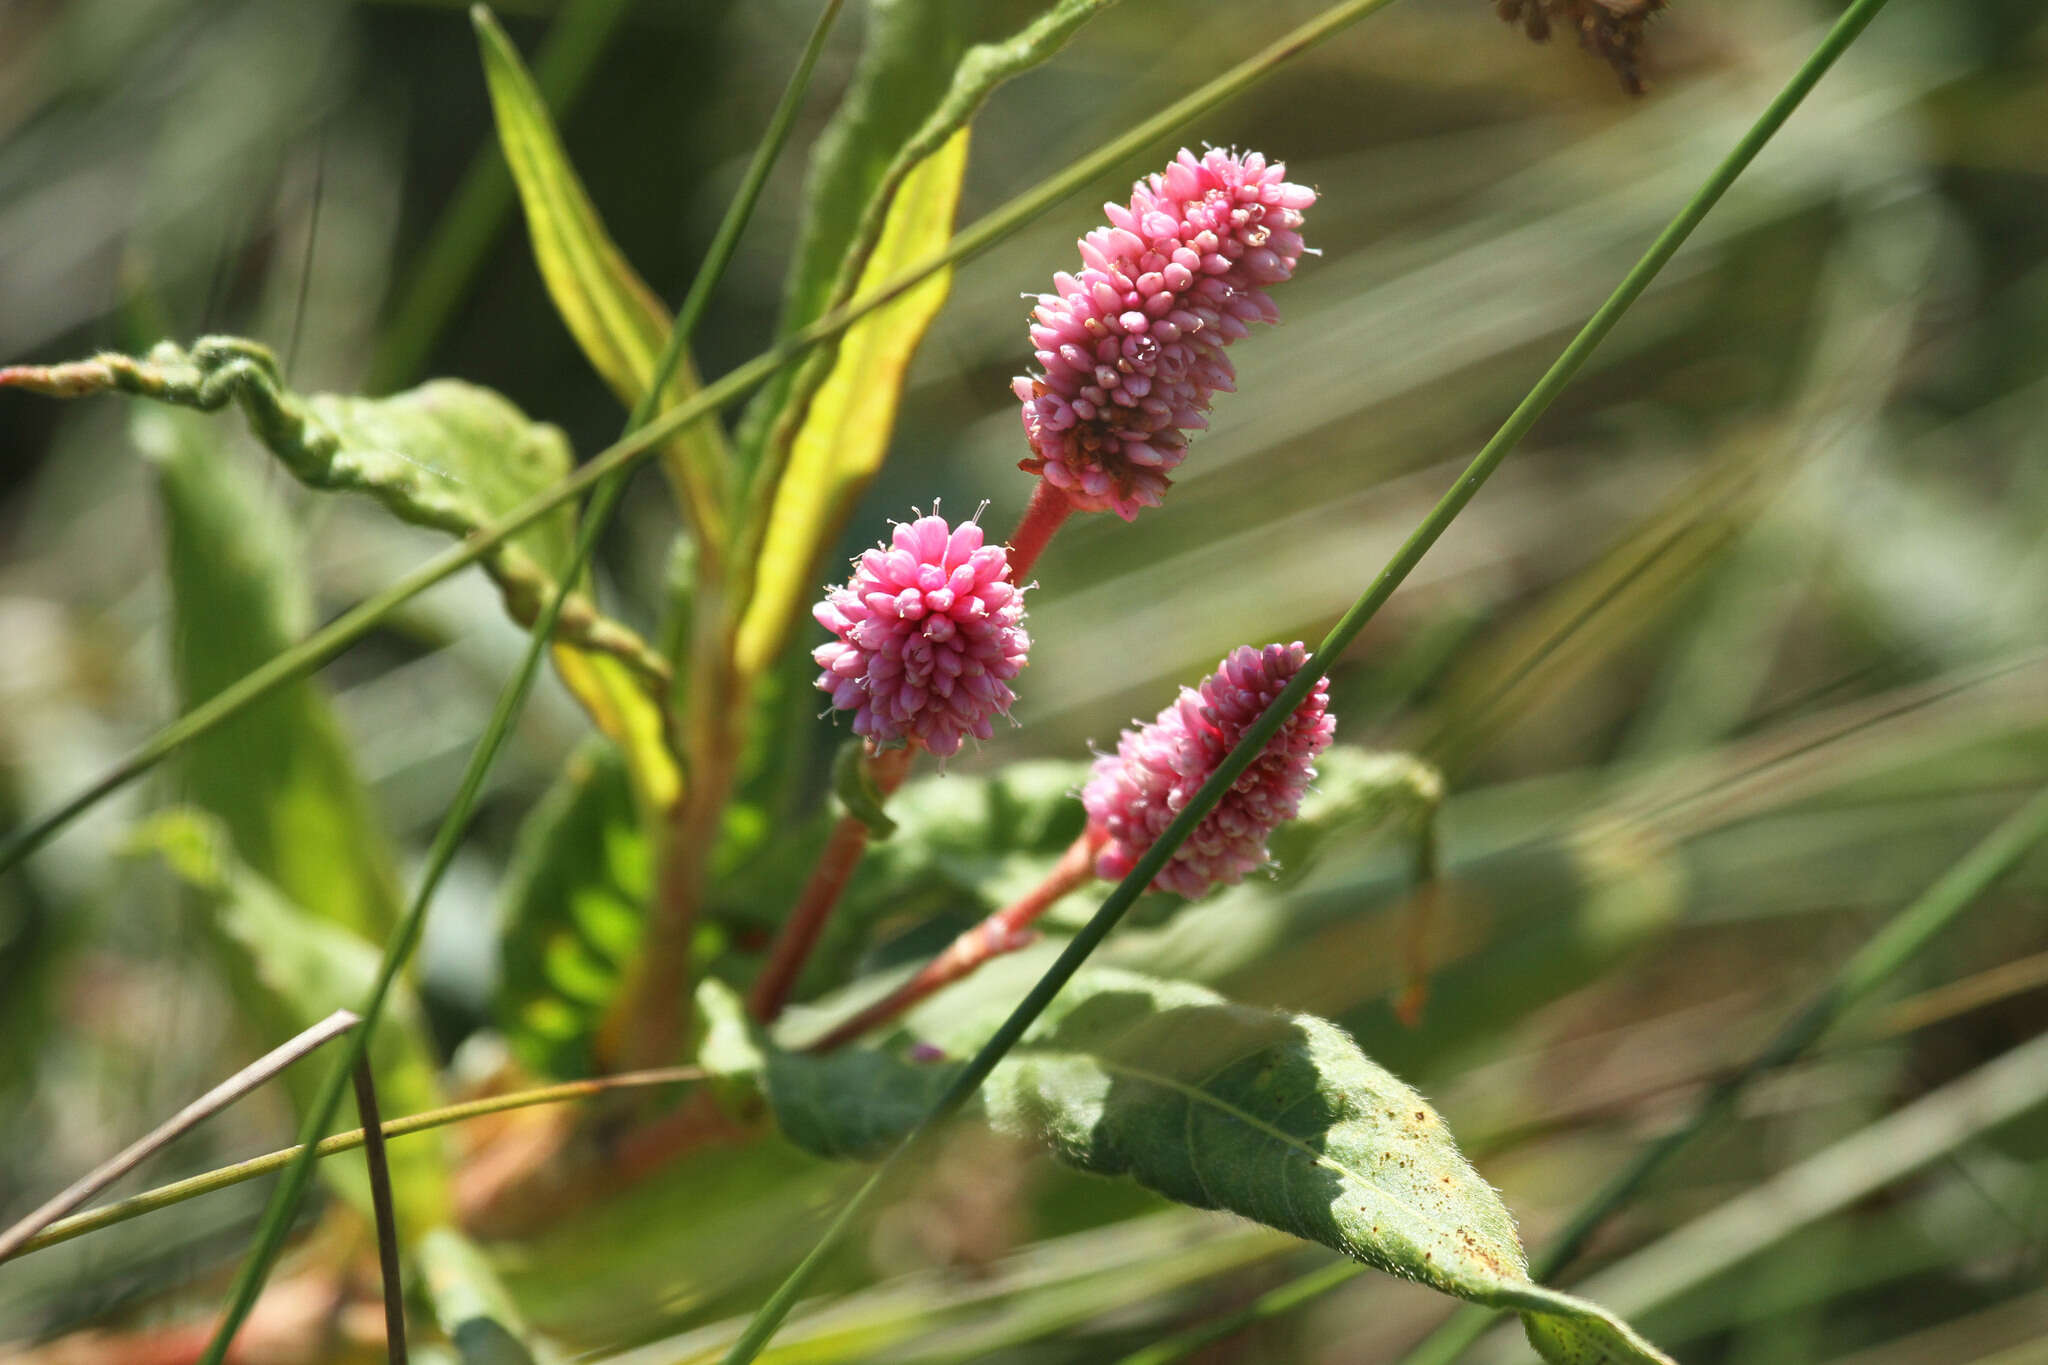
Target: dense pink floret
<point>928,637</point>
<point>1156,770</point>
<point>1131,349</point>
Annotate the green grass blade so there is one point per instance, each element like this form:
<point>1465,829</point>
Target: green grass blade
<point>220,1178</point>
<point>1545,392</point>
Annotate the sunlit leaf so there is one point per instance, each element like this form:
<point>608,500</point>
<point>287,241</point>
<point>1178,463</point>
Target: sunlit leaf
<point>881,196</point>
<point>617,320</point>
<point>845,433</point>
<point>1276,1117</point>
<point>291,970</point>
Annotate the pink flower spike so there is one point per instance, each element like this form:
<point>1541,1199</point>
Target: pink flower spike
<point>928,637</point>
<point>1156,770</point>
<point>1132,347</point>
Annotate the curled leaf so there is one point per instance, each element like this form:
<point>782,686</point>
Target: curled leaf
<point>447,455</point>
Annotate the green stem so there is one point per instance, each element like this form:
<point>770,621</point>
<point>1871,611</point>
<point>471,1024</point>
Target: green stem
<point>1440,517</point>
<point>178,1191</point>
<point>277,1217</point>
<point>351,625</point>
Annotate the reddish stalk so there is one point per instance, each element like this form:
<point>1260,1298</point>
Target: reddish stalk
<point>843,852</point>
<point>1048,511</point>
<point>1007,930</point>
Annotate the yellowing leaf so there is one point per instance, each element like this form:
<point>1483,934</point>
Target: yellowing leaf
<point>608,308</point>
<point>845,435</point>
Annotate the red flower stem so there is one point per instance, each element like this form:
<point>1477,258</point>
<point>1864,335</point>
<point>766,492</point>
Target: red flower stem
<point>1049,509</point>
<point>1005,931</point>
<point>843,852</point>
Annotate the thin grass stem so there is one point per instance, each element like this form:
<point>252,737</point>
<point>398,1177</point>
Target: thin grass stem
<point>382,1212</point>
<point>23,1235</point>
<point>206,1182</point>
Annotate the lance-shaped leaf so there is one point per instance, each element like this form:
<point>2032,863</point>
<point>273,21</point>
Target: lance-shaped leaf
<point>278,775</point>
<point>845,432</point>
<point>447,455</point>
<point>883,172</point>
<point>617,320</point>
<point>1276,1117</point>
<point>289,970</point>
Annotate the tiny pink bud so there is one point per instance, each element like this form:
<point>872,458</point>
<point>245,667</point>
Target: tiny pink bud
<point>1133,346</point>
<point>928,636</point>
<point>1156,770</point>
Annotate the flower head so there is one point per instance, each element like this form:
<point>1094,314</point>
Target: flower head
<point>1132,347</point>
<point>927,637</point>
<point>1156,770</point>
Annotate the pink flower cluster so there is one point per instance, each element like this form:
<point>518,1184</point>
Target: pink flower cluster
<point>1132,347</point>
<point>1136,792</point>
<point>927,636</point>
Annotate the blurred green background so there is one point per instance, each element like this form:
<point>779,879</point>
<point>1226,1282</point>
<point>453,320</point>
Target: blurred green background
<point>1738,652</point>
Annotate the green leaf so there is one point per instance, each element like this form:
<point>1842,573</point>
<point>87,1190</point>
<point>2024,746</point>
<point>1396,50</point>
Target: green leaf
<point>290,970</point>
<point>1276,1117</point>
<point>575,908</point>
<point>882,193</point>
<point>278,775</point>
<point>1355,791</point>
<point>617,320</point>
<point>918,83</point>
<point>965,846</point>
<point>471,1304</point>
<point>447,455</point>
<point>847,423</point>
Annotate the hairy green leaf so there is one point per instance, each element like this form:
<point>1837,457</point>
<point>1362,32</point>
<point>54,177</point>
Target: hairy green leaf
<point>1276,1117</point>
<point>617,320</point>
<point>575,907</point>
<point>279,775</point>
<point>291,969</point>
